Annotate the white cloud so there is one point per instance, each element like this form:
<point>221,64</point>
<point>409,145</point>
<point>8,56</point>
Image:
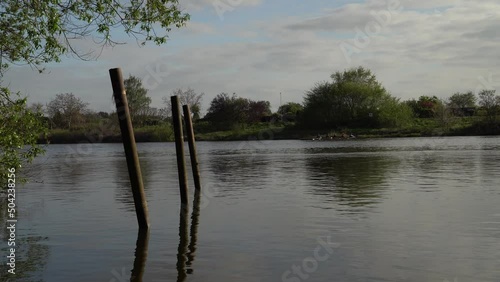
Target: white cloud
<point>199,28</point>
<point>195,5</point>
<point>418,52</point>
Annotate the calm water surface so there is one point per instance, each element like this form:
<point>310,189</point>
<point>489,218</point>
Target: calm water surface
<point>420,209</point>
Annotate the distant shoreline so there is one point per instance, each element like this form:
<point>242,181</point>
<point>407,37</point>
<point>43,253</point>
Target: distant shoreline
<point>265,133</point>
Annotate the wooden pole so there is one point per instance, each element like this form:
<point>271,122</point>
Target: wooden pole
<point>192,147</point>
<point>127,131</point>
<point>179,147</point>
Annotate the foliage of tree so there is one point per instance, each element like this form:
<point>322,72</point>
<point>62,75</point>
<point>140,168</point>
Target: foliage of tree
<point>67,111</point>
<point>424,107</point>
<point>490,103</point>
<point>459,102</point>
<point>37,107</point>
<point>257,110</point>
<point>443,113</point>
<point>392,113</point>
<point>137,98</point>
<point>353,98</point>
<point>103,115</point>
<point>290,108</point>
<point>20,146</point>
<point>154,116</point>
<point>186,97</point>
<point>227,112</point>
<point>357,75</point>
<point>39,32</point>
<point>322,107</point>
<point>463,100</point>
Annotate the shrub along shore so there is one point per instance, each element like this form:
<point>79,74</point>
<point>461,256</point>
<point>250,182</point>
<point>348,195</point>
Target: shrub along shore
<point>421,127</point>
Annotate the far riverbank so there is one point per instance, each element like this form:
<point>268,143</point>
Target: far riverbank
<point>270,131</point>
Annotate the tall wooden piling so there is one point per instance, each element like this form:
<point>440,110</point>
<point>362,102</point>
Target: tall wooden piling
<point>127,132</point>
<point>192,147</point>
<point>179,148</point>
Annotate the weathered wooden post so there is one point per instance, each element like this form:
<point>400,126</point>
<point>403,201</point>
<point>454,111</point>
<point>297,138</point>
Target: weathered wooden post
<point>192,147</point>
<point>179,148</point>
<point>127,132</point>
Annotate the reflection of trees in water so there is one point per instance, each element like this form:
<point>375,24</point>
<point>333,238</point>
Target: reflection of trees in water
<point>240,172</point>
<point>490,164</point>
<point>432,164</point>
<point>63,177</point>
<point>123,192</point>
<point>483,171</point>
<point>351,180</point>
<point>427,162</point>
<point>31,253</point>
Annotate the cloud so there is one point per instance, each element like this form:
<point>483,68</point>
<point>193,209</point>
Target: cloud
<point>341,19</point>
<point>440,37</point>
<point>199,28</point>
<point>196,5</point>
<point>420,51</point>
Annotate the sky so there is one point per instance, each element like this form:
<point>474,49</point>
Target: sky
<point>261,48</point>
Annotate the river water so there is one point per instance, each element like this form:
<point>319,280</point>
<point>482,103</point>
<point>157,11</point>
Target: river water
<point>408,209</point>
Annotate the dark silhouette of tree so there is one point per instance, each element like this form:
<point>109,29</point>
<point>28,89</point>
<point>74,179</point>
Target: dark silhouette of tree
<point>424,107</point>
<point>137,98</point>
<point>460,102</point>
<point>257,110</point>
<point>490,103</point>
<point>67,111</point>
<point>353,98</point>
<point>227,112</point>
<point>186,97</point>
<point>290,108</point>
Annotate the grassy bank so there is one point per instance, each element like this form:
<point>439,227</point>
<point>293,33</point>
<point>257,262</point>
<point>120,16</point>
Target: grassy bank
<point>467,126</point>
<point>96,135</point>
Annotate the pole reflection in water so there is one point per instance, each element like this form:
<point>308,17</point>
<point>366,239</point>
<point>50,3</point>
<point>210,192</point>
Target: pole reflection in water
<point>141,254</point>
<point>194,230</point>
<point>185,252</point>
<point>183,241</point>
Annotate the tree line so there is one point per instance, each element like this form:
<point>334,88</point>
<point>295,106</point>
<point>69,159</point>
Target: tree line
<point>67,111</point>
<point>353,98</point>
